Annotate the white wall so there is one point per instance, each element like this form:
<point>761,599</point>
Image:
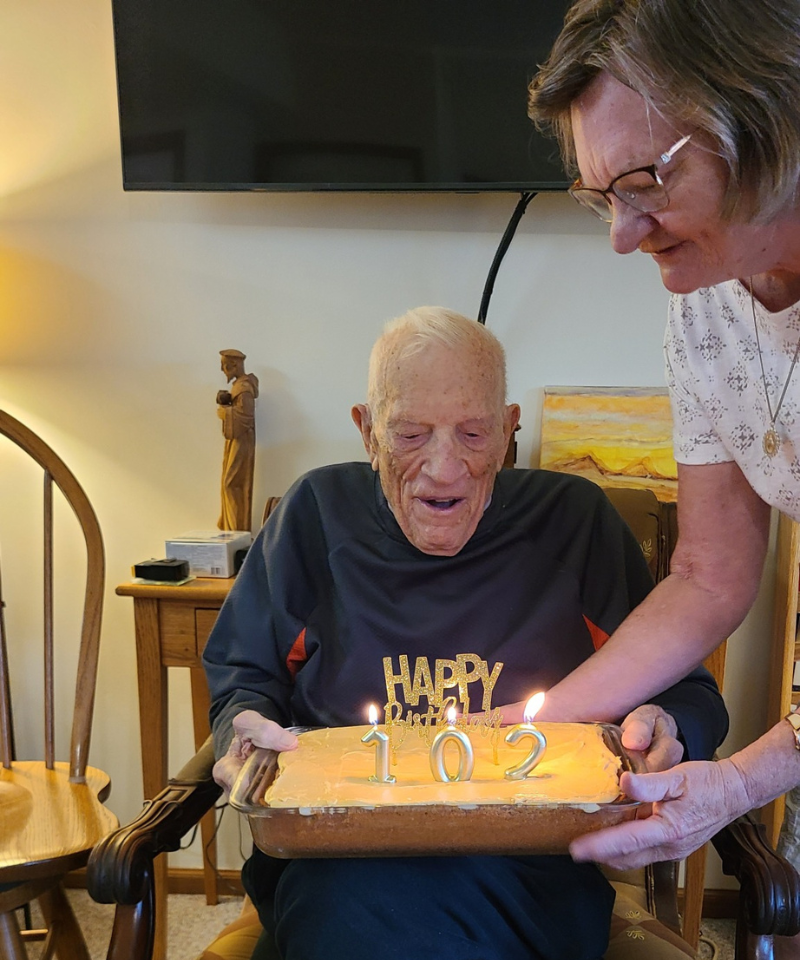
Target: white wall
<point>113,308</point>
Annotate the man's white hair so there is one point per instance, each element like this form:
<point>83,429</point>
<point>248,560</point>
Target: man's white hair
<point>414,331</point>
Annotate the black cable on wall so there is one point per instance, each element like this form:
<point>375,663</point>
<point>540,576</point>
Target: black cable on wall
<point>505,243</point>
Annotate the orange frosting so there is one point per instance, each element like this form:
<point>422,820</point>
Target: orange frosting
<point>331,768</point>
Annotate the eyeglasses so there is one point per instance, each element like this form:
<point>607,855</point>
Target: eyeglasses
<point>641,188</point>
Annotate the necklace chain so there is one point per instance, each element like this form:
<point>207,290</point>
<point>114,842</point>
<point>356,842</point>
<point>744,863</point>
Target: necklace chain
<point>771,441</point>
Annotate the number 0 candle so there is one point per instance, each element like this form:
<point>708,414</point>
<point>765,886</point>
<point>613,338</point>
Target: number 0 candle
<point>381,741</point>
<point>527,729</point>
<point>466,757</point>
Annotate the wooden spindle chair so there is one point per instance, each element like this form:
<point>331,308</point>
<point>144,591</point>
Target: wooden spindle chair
<point>51,812</point>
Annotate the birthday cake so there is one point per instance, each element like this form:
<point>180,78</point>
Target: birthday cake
<point>332,768</point>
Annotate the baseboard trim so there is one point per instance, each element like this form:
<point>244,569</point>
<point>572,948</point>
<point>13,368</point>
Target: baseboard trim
<point>717,904</point>
<point>185,880</point>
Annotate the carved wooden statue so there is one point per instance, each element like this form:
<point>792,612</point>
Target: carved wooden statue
<point>236,409</point>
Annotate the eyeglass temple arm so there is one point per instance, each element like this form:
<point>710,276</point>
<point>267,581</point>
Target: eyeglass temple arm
<point>669,154</point>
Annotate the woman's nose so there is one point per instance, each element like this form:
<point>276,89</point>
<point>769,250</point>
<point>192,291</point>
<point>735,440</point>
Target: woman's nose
<point>628,227</point>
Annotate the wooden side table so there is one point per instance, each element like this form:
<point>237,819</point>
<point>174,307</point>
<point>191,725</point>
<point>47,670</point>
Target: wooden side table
<point>172,627</point>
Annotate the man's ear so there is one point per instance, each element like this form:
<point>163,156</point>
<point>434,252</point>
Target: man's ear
<point>362,418</point>
<point>510,420</point>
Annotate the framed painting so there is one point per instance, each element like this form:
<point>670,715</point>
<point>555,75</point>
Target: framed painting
<point>616,436</point>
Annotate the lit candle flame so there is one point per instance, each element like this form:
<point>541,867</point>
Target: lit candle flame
<point>532,707</point>
<point>451,715</point>
<point>373,714</point>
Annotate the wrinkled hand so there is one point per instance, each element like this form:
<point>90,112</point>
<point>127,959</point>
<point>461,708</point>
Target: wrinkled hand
<point>691,802</point>
<point>250,730</point>
<point>651,731</point>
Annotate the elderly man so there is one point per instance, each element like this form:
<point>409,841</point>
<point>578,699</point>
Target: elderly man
<point>431,550</point>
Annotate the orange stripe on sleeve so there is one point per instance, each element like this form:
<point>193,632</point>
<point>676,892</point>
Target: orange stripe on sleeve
<point>599,636</point>
<point>297,655</point>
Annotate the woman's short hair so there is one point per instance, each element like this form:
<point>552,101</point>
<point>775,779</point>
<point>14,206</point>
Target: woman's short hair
<point>730,68</point>
<point>412,332</point>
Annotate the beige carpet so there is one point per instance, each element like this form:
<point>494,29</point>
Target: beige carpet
<point>716,940</point>
<point>192,925</point>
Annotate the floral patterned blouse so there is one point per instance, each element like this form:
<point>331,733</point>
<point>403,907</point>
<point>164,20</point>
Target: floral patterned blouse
<point>719,405</point>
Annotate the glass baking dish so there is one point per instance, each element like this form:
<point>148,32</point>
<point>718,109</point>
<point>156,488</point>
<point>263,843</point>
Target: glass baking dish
<point>434,829</point>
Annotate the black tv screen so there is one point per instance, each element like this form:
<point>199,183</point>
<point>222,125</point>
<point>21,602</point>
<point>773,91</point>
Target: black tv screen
<point>333,94</point>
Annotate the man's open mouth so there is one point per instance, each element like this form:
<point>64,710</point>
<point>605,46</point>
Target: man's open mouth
<point>438,504</point>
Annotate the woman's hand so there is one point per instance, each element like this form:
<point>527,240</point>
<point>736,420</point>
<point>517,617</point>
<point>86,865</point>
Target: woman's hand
<point>691,802</point>
<point>250,730</point>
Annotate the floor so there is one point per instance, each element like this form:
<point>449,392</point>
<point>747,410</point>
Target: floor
<point>192,925</point>
<point>716,940</point>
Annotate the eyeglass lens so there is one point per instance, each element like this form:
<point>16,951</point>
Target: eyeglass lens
<point>640,189</point>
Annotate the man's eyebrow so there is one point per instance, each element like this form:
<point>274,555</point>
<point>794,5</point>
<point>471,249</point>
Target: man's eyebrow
<point>481,421</point>
<point>401,422</point>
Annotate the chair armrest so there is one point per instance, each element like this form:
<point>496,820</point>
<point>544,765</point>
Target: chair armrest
<point>120,866</point>
<point>770,886</point>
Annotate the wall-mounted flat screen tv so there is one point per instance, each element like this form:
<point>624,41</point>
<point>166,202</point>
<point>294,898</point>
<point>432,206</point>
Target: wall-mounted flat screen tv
<point>395,95</point>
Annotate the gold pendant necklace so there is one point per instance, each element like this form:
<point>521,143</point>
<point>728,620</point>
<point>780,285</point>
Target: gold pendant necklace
<point>771,442</point>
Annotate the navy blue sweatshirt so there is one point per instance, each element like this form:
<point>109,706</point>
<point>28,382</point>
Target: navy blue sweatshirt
<point>332,586</point>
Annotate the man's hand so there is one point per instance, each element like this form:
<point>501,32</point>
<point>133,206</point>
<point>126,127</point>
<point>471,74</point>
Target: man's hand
<point>653,732</point>
<point>691,802</point>
<point>250,730</point>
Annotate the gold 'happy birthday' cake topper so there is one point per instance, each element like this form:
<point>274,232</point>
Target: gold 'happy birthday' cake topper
<point>433,685</point>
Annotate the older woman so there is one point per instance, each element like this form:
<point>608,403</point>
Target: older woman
<point>682,118</point>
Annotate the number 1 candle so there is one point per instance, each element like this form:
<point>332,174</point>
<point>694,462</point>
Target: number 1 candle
<point>381,741</point>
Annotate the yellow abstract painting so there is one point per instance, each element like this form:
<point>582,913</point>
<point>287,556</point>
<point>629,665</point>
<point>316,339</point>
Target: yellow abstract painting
<point>616,436</point>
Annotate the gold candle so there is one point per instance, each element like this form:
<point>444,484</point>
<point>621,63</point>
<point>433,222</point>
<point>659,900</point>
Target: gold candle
<point>381,741</point>
<point>466,757</point>
<point>527,729</point>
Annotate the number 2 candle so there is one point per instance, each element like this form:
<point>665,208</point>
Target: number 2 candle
<point>527,730</point>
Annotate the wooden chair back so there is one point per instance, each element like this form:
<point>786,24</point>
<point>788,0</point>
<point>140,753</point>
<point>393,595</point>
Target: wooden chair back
<point>55,472</point>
